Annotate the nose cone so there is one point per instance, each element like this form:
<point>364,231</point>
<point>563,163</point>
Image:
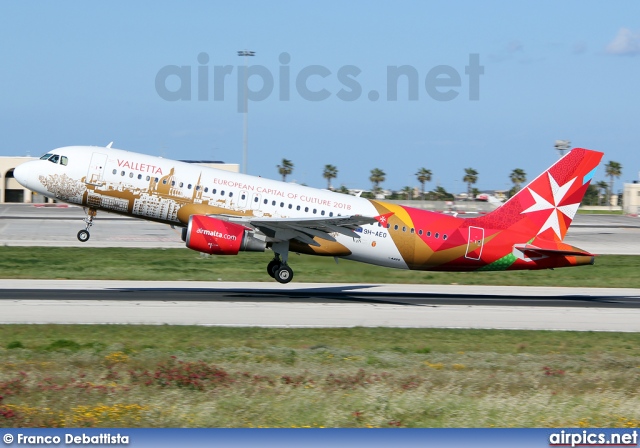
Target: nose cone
<point>21,174</point>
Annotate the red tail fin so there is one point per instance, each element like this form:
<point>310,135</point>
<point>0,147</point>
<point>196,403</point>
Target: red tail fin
<point>547,205</point>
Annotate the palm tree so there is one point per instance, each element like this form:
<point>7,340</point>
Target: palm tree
<point>424,175</point>
<point>603,188</point>
<point>613,170</point>
<point>407,192</point>
<point>470,177</point>
<point>517,176</point>
<point>343,190</point>
<point>377,176</point>
<point>330,172</point>
<point>285,169</point>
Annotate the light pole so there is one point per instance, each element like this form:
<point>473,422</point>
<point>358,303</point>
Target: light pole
<point>245,139</point>
<point>562,146</point>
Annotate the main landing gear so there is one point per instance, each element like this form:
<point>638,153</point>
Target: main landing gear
<point>278,268</point>
<point>83,235</point>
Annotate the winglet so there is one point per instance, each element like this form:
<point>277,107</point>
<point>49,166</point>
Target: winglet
<point>383,219</point>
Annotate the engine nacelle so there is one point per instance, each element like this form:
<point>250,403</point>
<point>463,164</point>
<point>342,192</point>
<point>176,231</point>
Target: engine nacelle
<point>215,236</point>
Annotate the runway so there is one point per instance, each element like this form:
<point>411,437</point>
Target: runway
<point>296,305</point>
<point>319,305</point>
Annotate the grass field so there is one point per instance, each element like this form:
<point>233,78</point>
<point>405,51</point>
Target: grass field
<point>184,264</point>
<point>92,376</point>
<point>600,212</point>
<point>173,376</point>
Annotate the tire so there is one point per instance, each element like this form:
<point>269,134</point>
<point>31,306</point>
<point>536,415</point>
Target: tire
<point>83,236</point>
<point>272,267</point>
<point>284,274</point>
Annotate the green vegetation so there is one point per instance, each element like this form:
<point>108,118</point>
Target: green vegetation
<point>183,264</point>
<point>600,212</point>
<point>172,376</point>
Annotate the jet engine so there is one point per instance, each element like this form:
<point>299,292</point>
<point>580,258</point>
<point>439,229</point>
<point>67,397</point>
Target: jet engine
<point>215,236</point>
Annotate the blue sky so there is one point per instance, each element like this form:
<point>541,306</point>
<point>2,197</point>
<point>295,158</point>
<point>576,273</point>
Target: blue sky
<point>85,73</point>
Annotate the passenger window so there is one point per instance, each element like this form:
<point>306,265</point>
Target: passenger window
<point>122,174</point>
<point>206,189</point>
<point>265,201</point>
<point>243,197</point>
<point>437,235</point>
<point>315,210</point>
<point>116,171</point>
<point>420,232</point>
<point>173,183</point>
<point>189,186</point>
<point>273,202</point>
<point>214,191</point>
<point>164,181</point>
<point>64,160</point>
<point>221,192</point>
<point>148,177</point>
<point>444,237</point>
<point>322,212</point>
<point>330,214</point>
<point>230,193</point>
<point>131,175</point>
<point>290,206</point>
<point>255,199</point>
<point>306,209</point>
<point>197,187</point>
<point>139,176</point>
<point>428,233</point>
<point>404,228</point>
<point>181,184</point>
<point>395,227</point>
<point>413,230</point>
<point>282,204</point>
<point>298,208</point>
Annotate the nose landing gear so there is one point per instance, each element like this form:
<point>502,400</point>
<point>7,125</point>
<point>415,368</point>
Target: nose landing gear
<point>84,235</point>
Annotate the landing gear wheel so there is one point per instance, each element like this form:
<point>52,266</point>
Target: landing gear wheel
<point>272,267</point>
<point>83,236</point>
<point>284,274</point>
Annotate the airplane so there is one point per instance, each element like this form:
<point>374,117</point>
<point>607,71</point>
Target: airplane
<point>224,213</point>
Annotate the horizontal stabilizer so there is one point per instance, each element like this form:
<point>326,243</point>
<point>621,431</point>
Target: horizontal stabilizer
<point>531,251</point>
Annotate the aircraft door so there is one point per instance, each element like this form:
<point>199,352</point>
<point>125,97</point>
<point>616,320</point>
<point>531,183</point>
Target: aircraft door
<point>475,243</point>
<point>95,174</point>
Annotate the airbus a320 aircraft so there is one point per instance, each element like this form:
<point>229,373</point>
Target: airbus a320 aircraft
<point>222,213</point>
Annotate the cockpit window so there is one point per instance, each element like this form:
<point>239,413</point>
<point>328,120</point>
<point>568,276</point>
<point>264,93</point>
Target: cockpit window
<point>55,158</point>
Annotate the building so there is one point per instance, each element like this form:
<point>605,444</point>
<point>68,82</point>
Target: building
<point>631,198</point>
<point>12,191</point>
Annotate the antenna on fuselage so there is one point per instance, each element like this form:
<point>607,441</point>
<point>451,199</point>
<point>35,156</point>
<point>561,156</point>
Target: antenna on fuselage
<point>109,145</point>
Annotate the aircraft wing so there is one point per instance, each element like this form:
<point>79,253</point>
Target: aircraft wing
<point>304,229</point>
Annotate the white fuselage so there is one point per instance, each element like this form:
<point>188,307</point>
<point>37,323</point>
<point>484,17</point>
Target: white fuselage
<point>155,188</point>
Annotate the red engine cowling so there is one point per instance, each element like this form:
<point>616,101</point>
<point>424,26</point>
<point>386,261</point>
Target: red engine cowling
<point>214,236</point>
